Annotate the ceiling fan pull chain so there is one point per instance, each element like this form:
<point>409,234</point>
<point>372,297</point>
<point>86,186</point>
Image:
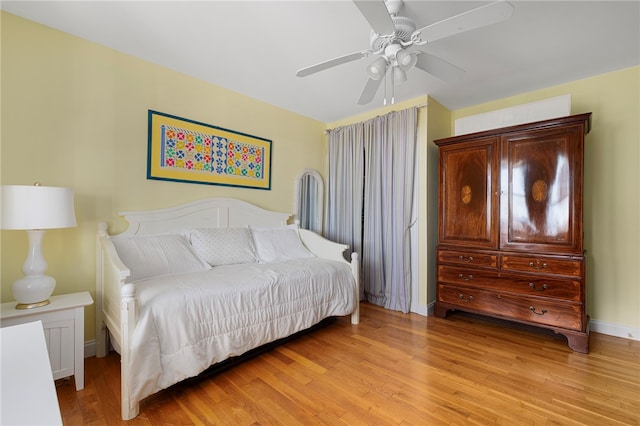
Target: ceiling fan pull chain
<point>385,90</point>
<point>393,88</point>
<point>393,94</point>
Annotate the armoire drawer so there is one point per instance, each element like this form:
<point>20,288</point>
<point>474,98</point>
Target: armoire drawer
<point>562,289</point>
<point>468,258</point>
<point>542,265</point>
<point>524,284</point>
<point>509,306</point>
<point>467,276</point>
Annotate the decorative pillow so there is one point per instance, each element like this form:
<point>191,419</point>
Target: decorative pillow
<point>223,246</point>
<point>279,244</point>
<point>158,255</point>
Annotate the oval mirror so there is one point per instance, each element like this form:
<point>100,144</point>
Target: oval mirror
<point>309,200</point>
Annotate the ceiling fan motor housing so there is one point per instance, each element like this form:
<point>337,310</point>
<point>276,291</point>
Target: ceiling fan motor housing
<point>405,27</point>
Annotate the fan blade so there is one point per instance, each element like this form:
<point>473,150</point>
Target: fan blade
<point>369,91</point>
<point>439,67</point>
<point>377,15</point>
<point>332,63</point>
<point>486,15</point>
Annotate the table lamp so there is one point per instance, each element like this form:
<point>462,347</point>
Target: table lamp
<point>35,209</point>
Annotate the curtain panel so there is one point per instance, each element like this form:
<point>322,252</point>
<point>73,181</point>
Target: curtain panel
<point>343,216</point>
<point>386,145</point>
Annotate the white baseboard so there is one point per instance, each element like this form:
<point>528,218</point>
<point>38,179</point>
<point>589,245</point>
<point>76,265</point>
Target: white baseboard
<point>89,348</point>
<point>615,330</point>
<point>430,308</point>
<point>424,310</point>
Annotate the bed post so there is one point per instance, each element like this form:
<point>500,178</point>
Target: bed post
<point>355,270</point>
<point>101,329</point>
<point>130,408</point>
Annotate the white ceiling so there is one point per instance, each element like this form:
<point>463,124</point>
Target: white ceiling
<point>256,47</point>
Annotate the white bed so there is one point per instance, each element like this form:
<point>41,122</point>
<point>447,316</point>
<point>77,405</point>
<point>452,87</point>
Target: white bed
<point>171,327</point>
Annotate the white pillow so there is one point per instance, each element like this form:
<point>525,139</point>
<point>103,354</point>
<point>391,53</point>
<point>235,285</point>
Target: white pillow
<point>158,255</point>
<point>279,244</point>
<point>223,246</point>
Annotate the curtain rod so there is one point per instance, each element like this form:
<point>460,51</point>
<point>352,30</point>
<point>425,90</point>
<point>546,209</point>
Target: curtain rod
<point>416,106</point>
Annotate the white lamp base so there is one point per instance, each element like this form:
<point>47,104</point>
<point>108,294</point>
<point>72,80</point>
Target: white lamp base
<point>33,291</point>
<point>32,305</point>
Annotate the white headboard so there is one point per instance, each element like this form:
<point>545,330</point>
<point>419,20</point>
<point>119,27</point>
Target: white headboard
<point>207,213</point>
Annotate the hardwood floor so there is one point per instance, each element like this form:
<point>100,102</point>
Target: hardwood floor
<point>391,369</point>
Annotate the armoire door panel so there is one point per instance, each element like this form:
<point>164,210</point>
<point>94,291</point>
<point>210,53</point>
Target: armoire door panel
<point>542,172</point>
<point>468,190</point>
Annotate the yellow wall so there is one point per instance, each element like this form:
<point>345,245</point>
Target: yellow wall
<point>439,127</point>
<point>612,188</point>
<point>74,114</point>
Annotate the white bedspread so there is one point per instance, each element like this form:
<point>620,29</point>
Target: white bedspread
<point>188,322</point>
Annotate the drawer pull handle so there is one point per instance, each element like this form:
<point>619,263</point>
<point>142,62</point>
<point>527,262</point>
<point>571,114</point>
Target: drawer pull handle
<point>533,286</point>
<point>538,265</point>
<point>466,259</point>
<point>467,300</point>
<point>467,278</point>
<point>542,312</point>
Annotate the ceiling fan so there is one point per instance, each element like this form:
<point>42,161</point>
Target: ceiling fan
<point>398,45</point>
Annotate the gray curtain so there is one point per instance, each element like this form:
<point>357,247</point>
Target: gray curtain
<point>388,146</point>
<point>343,216</point>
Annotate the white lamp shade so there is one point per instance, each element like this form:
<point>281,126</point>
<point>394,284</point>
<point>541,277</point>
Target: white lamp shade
<point>377,69</point>
<point>37,207</point>
<point>399,76</point>
<point>406,60</point>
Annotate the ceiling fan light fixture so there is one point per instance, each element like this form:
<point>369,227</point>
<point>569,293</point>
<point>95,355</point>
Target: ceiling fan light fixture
<point>399,76</point>
<point>377,69</point>
<point>406,60</point>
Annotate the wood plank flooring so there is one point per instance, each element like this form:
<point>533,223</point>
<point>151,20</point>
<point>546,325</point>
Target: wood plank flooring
<point>391,369</point>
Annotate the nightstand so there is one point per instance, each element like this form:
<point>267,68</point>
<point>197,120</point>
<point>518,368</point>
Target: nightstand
<point>63,323</point>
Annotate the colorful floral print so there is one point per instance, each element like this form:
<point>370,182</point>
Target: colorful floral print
<point>209,153</point>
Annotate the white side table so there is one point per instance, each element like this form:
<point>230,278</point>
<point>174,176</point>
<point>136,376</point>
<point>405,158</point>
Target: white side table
<point>63,323</point>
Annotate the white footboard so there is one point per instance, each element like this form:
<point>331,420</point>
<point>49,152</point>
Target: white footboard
<point>328,249</point>
<point>115,312</point>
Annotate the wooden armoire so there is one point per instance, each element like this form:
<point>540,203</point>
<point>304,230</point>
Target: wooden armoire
<point>510,226</point>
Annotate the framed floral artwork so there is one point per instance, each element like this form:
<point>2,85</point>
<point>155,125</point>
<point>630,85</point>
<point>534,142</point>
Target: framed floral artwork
<point>183,150</point>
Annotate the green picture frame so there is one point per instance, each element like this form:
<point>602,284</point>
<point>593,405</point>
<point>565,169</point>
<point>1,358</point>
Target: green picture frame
<point>184,150</point>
